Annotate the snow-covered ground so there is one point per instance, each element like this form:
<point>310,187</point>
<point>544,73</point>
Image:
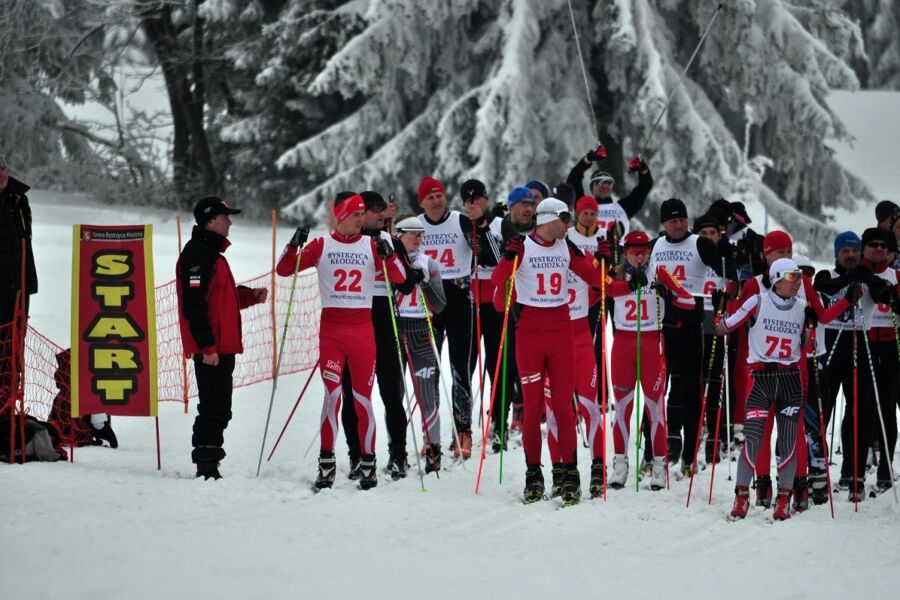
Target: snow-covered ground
<point>112,526</point>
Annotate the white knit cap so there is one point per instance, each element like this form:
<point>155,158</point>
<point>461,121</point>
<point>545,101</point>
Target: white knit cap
<point>549,210</point>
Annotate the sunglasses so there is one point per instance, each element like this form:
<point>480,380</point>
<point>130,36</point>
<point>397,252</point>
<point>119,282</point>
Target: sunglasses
<point>565,216</point>
<point>472,199</point>
<point>877,245</point>
<point>791,275</point>
<point>604,180</point>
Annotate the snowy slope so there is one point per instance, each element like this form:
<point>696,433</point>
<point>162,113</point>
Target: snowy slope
<point>111,526</point>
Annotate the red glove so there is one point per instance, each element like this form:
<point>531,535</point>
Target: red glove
<point>604,249</point>
<point>596,155</point>
<point>731,289</point>
<point>514,247</point>
<point>636,164</point>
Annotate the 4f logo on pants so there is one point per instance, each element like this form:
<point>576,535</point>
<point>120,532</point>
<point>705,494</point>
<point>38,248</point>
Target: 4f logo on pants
<point>790,411</point>
<point>425,373</point>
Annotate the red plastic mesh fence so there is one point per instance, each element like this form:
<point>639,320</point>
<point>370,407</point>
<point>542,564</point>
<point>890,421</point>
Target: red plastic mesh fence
<point>46,375</point>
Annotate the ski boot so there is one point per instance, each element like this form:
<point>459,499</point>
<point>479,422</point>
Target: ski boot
<point>620,472</point>
<point>595,486</point>
<point>558,477</point>
<point>801,494</point>
<point>674,448</point>
<point>857,490</point>
<point>763,487</point>
<point>571,487</point>
<point>686,470</point>
<point>432,458</point>
<point>106,434</point>
<point>397,465</point>
<point>782,511</point>
<point>884,484</point>
<point>496,443</point>
<point>354,467</point>
<point>818,485</point>
<point>658,473</point>
<point>368,474</point>
<point>206,469</point>
<point>738,435</point>
<point>646,467</point>
<point>741,503</point>
<point>464,448</point>
<point>325,478</point>
<point>534,484</point>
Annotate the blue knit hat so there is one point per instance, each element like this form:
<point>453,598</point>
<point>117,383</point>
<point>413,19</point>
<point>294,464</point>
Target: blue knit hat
<point>846,239</point>
<point>518,195</point>
<point>539,186</point>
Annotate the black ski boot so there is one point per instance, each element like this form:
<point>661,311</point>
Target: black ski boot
<point>818,485</point>
<point>432,458</point>
<point>368,475</point>
<point>674,450</point>
<point>558,475</point>
<point>801,494</point>
<point>397,465</point>
<point>208,470</point>
<point>857,491</point>
<point>763,486</point>
<point>595,485</point>
<point>534,484</point>
<point>106,434</point>
<point>327,468</point>
<point>496,443</point>
<point>354,468</point>
<point>571,488</point>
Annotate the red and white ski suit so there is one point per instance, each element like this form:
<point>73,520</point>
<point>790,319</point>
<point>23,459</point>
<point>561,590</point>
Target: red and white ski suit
<point>544,337</point>
<point>346,267</point>
<point>627,315</point>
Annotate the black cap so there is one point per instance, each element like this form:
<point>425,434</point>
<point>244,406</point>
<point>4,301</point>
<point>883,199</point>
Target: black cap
<point>373,201</point>
<point>876,234</point>
<point>707,220</point>
<point>722,205</point>
<point>472,189</point>
<point>885,209</point>
<point>565,192</point>
<point>739,210</point>
<point>210,206</point>
<point>673,208</point>
<point>717,214</point>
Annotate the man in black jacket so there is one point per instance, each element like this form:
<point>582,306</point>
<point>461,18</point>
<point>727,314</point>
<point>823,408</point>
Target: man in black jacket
<point>15,233</point>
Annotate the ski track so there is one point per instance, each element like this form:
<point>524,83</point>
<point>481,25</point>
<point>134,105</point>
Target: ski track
<point>112,526</point>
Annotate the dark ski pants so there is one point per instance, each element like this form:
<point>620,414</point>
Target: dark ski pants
<point>684,354</point>
<point>390,384</point>
<point>887,368</point>
<point>780,389</point>
<point>420,359</point>
<point>840,375</point>
<point>712,380</point>
<point>815,437</point>
<point>214,386</point>
<point>456,323</point>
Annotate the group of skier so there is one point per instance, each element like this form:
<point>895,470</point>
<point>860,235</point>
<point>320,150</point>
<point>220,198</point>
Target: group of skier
<point>535,295</point>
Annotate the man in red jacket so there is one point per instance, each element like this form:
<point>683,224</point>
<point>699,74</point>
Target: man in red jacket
<point>209,305</point>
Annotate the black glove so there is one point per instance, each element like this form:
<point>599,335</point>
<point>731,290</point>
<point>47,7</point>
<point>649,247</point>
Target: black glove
<point>300,236</point>
<point>863,274</point>
<point>663,292</point>
<point>638,279</point>
<point>854,293</point>
<point>596,155</point>
<point>416,275</point>
<point>515,247</point>
<point>726,250</point>
<point>384,248</point>
<point>716,297</point>
<point>811,317</point>
<point>616,232</point>
<point>499,210</point>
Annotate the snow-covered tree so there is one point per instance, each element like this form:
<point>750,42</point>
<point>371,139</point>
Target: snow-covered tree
<point>879,21</point>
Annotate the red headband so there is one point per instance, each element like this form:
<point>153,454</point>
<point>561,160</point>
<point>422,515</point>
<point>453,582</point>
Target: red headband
<point>349,206</point>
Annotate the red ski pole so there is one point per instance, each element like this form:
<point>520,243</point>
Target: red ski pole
<point>291,416</point>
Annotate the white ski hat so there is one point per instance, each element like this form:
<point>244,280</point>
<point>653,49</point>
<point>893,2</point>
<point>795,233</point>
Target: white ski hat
<point>780,268</point>
<point>551,209</point>
<point>409,224</point>
<point>803,261</point>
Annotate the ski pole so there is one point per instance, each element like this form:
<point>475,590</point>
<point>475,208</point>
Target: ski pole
<point>715,457</point>
<point>704,392</point>
<point>477,303</point>
<point>487,422</point>
<point>727,405</point>
<point>293,410</point>
<point>503,387</point>
<point>603,364</point>
<point>821,419</point>
<point>442,380</point>
<point>885,450</point>
<point>587,88</point>
<point>855,417</point>
<point>287,320</point>
<point>662,361</point>
<point>418,394</point>
<point>637,395</point>
<point>678,83</point>
<point>393,308</point>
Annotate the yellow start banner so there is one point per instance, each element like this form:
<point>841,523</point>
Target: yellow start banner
<point>113,321</point>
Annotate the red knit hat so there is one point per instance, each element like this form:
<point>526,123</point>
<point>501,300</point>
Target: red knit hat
<point>586,203</point>
<point>345,208</point>
<point>776,240</point>
<point>635,239</point>
<point>429,185</point>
